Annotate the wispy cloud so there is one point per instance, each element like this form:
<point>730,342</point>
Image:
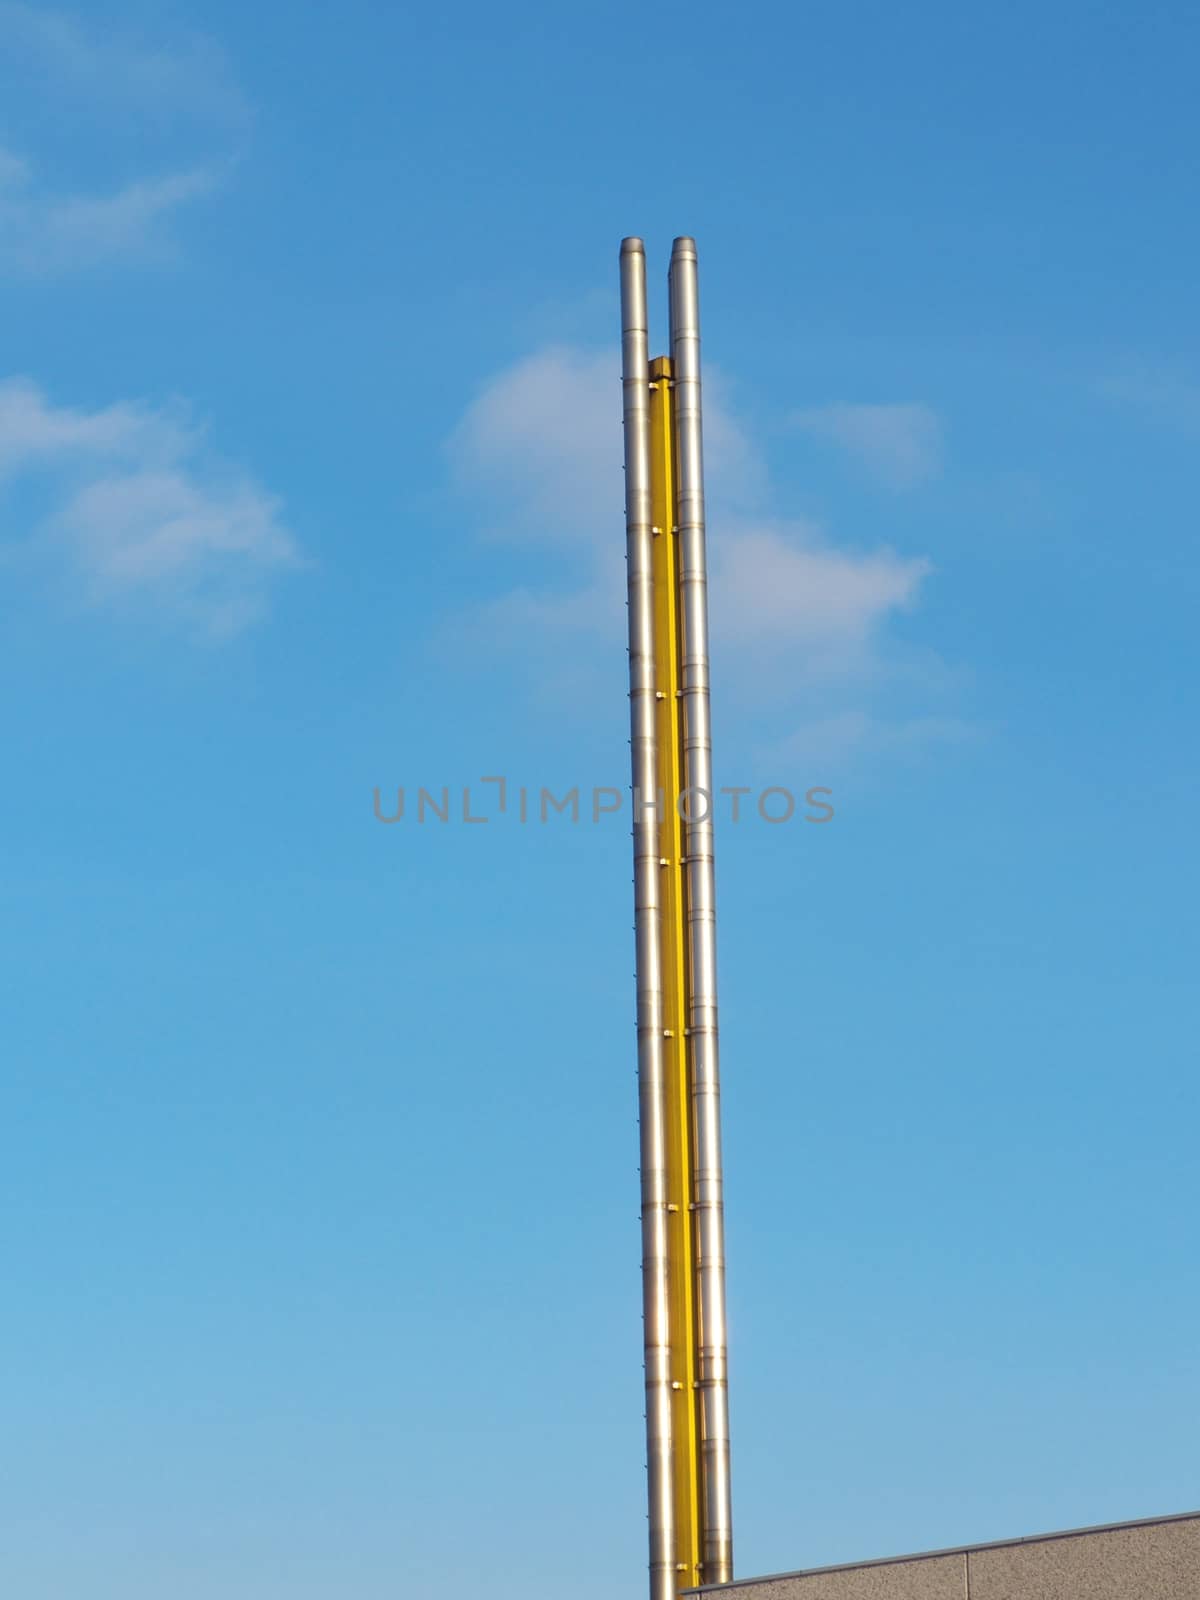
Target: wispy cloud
<point>901,445</point>
<point>43,232</point>
<point>160,115</point>
<point>1164,398</point>
<point>137,512</point>
<point>14,172</point>
<point>837,741</point>
<point>104,67</point>
<point>542,439</point>
<point>539,442</point>
<point>786,582</point>
<point>540,452</point>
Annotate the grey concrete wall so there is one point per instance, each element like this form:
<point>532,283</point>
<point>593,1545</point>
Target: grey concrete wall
<point>1156,1561</point>
<point>1152,1560</point>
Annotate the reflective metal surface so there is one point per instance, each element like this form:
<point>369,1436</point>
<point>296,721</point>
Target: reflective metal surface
<point>655,1279</point>
<point>674,941</point>
<point>702,1008</point>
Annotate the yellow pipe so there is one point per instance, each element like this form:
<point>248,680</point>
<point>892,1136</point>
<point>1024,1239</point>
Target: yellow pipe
<point>684,1336</point>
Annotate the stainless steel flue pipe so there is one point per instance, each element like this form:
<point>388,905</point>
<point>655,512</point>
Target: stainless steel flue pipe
<point>683,1253</point>
<point>707,1197</point>
<point>635,377</point>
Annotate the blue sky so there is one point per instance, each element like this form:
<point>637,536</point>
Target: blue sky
<point>320,1226</point>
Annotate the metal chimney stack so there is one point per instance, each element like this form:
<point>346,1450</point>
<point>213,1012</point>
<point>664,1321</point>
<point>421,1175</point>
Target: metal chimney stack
<point>683,1251</point>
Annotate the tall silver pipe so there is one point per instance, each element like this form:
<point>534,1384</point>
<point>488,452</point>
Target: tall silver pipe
<point>635,376</point>
<point>707,1197</point>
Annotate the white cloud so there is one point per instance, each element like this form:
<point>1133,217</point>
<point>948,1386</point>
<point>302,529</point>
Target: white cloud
<point>14,172</point>
<point>1162,397</point>
<point>786,583</point>
<point>43,232</point>
<point>899,444</point>
<point>124,103</point>
<point>790,608</point>
<point>118,71</point>
<point>832,742</point>
<point>539,440</point>
<point>543,439</point>
<point>128,222</point>
<point>139,512</point>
